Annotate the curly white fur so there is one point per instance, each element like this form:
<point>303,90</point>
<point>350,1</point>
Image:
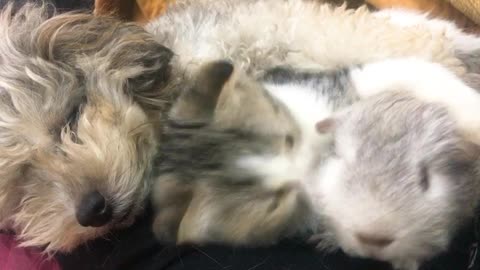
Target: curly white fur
<point>304,34</point>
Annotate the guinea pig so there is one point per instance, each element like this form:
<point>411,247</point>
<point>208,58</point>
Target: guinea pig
<point>403,176</point>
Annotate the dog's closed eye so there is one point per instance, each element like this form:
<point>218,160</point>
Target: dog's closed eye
<point>71,119</point>
<point>73,116</point>
<point>66,124</point>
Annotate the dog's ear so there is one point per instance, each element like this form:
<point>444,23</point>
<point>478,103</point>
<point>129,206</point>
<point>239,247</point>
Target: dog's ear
<point>124,51</point>
<point>196,106</point>
<point>153,61</point>
<point>144,62</point>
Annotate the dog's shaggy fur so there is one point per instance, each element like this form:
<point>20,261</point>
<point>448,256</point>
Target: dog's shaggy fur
<point>78,99</point>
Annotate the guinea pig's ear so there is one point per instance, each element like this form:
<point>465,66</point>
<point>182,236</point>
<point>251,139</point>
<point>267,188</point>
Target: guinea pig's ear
<point>196,106</point>
<point>327,125</point>
<point>331,123</point>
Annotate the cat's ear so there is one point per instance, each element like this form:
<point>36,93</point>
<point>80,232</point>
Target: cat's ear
<point>196,106</point>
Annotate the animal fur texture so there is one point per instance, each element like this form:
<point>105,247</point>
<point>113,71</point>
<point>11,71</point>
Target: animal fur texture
<point>403,157</point>
<point>323,37</point>
<point>202,193</point>
<point>242,142</point>
<point>396,196</point>
<point>78,107</point>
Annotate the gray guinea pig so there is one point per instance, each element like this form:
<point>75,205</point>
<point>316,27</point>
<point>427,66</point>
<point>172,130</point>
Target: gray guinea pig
<point>401,181</point>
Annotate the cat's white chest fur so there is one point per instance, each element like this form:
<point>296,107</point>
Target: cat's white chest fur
<point>306,106</point>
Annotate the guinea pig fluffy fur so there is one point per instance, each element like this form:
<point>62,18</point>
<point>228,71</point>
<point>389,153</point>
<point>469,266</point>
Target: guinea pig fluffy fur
<point>78,102</point>
<point>412,156</point>
<point>401,182</point>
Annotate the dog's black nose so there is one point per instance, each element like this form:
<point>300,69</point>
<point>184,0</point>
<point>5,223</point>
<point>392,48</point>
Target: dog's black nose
<point>94,210</point>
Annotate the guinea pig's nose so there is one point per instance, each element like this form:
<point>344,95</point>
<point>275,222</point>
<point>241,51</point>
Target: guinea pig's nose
<point>379,241</point>
<point>94,210</point>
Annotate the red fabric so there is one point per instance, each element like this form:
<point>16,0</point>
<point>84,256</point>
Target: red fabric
<point>13,257</point>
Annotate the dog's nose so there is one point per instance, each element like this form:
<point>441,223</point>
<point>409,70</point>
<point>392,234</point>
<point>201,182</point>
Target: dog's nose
<point>378,241</point>
<point>94,210</point>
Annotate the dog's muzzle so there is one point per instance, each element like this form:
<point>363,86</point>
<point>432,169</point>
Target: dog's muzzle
<point>94,210</point>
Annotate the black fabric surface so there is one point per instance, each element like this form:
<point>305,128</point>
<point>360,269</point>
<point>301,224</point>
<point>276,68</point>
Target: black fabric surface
<point>136,248</point>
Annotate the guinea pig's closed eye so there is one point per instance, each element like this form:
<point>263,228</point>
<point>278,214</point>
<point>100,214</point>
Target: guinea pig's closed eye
<point>424,177</point>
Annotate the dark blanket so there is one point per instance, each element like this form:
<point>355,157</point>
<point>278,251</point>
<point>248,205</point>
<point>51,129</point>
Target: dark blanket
<point>136,248</point>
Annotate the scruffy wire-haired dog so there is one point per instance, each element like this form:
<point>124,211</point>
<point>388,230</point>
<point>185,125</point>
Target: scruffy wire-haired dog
<point>77,127</point>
